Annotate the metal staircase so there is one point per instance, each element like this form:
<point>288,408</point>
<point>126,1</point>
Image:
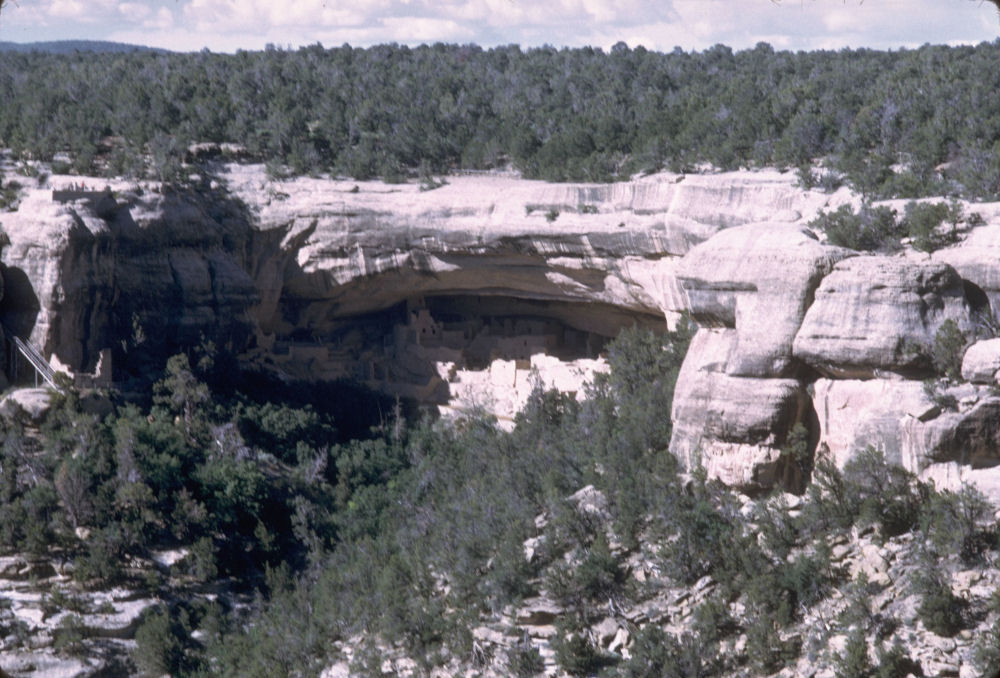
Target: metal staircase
<point>42,367</point>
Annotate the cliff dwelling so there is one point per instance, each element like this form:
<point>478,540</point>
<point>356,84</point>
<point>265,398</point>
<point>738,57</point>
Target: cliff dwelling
<point>459,351</point>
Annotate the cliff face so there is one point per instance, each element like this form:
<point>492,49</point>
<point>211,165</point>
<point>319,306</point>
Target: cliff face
<point>413,291</point>
<point>137,272</point>
<point>308,274</point>
<point>799,333</point>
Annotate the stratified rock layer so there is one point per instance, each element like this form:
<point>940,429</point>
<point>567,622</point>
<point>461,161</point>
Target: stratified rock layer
<point>733,426</point>
<point>981,362</point>
<point>874,314</point>
<point>304,272</point>
<point>758,279</point>
<point>249,260</point>
<point>977,260</point>
<point>153,271</point>
<point>854,414</point>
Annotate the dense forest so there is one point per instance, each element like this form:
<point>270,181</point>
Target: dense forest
<point>905,123</point>
<point>316,514</point>
<point>400,541</point>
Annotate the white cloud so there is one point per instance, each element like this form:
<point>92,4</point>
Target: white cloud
<point>162,20</point>
<point>134,12</point>
<point>66,9</point>
<point>226,25</point>
<point>420,29</point>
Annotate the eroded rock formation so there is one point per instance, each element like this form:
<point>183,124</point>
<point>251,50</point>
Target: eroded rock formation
<point>433,294</point>
<point>855,332</point>
<point>879,313</point>
<point>320,278</point>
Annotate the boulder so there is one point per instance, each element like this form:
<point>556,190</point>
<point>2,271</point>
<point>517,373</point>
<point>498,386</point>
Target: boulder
<point>977,260</point>
<point>734,426</point>
<point>28,406</point>
<point>981,362</point>
<point>876,314</point>
<point>759,280</point>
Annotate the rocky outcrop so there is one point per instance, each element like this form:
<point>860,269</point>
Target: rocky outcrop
<point>164,270</point>
<point>977,260</point>
<point>854,414</point>
<point>875,314</point>
<point>329,278</point>
<point>759,280</point>
<point>790,309</point>
<point>733,426</point>
<point>246,261</point>
<point>981,362</point>
<point>969,437</point>
<point>358,247</point>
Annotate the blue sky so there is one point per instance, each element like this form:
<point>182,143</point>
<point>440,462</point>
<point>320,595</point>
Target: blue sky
<point>228,25</point>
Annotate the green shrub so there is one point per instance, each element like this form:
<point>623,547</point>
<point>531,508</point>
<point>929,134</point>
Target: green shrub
<point>766,652</point>
<point>832,503</point>
<point>922,222</point>
<point>940,610</point>
<point>656,654</point>
<point>896,663</point>
<point>890,496</point>
<point>949,349</point>
<point>577,656</point>
<point>953,523</point>
<point>524,660</point>
<point>69,636</point>
<point>160,642</point>
<point>986,652</point>
<point>869,229</point>
<point>103,559</point>
<point>712,622</point>
<point>853,662</point>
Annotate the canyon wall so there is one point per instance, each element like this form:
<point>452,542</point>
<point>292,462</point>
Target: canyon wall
<point>419,291</point>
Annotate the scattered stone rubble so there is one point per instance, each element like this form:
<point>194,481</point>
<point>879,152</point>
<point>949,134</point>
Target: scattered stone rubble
<point>888,567</point>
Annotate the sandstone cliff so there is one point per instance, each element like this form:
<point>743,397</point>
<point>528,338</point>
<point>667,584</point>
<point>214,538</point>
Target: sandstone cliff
<point>312,273</point>
<point>839,343</point>
<point>416,292</point>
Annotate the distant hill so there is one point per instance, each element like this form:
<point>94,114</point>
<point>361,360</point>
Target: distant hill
<point>71,46</point>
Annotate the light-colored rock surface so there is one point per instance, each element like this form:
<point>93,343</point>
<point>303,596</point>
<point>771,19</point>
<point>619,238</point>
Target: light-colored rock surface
<point>875,313</point>
<point>505,386</point>
<point>758,279</point>
<point>356,251</point>
<point>145,270</point>
<point>171,265</point>
<point>969,438</point>
<point>977,258</point>
<point>981,362</point>
<point>733,426</point>
<point>853,415</point>
<point>291,270</point>
<point>26,405</point>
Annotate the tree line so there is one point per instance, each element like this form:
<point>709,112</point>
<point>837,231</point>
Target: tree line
<point>904,123</point>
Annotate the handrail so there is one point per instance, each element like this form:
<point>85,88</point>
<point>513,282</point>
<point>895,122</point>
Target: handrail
<point>40,364</point>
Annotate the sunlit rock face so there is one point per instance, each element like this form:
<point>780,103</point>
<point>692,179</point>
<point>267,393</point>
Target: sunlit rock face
<point>835,345</point>
<point>734,426</point>
<point>488,284</point>
<point>874,314</point>
<point>758,280</point>
<point>318,277</point>
<point>355,247</point>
